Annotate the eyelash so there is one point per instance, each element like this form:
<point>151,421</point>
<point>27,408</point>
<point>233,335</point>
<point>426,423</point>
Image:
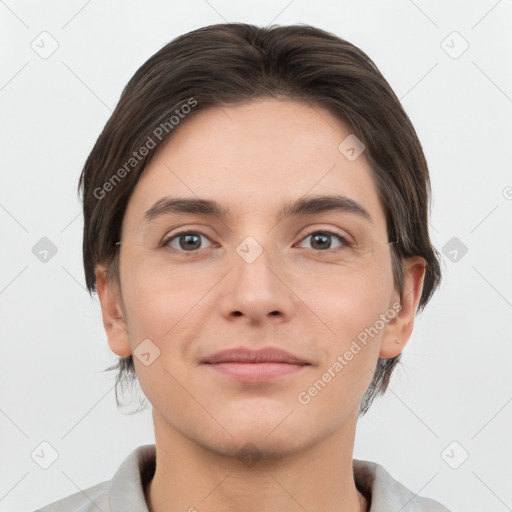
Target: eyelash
<point>341,238</point>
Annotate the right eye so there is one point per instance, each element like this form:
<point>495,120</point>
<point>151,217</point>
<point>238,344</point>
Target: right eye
<point>185,241</point>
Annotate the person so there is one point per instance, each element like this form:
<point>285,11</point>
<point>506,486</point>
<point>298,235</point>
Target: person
<point>256,229</point>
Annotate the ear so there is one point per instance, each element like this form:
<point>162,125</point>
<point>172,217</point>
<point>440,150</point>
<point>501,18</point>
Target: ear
<point>399,329</point>
<point>111,310</point>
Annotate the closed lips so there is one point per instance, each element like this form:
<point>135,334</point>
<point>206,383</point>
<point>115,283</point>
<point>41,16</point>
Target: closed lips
<point>244,355</point>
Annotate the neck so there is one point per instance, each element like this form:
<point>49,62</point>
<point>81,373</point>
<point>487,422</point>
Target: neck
<point>190,477</point>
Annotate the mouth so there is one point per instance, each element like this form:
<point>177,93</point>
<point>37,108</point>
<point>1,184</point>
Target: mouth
<point>255,366</point>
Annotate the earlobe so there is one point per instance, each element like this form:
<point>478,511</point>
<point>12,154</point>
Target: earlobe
<point>399,330</point>
<point>111,311</point>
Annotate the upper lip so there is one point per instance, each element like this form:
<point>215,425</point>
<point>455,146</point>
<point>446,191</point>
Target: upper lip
<point>246,355</point>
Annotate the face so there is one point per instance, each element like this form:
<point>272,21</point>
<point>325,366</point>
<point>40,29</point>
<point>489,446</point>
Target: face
<point>309,281</point>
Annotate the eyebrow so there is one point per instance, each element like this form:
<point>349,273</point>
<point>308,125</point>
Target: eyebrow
<point>307,205</point>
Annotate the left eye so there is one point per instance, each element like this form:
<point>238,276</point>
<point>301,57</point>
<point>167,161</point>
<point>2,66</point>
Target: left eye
<point>187,241</point>
<point>322,240</point>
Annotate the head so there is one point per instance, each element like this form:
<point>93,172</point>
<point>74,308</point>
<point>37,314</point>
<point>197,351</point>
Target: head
<point>253,120</point>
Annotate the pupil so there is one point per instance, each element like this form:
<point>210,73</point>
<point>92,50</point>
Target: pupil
<point>189,242</point>
<point>324,238</point>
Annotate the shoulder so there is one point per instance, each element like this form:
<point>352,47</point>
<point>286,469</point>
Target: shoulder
<point>88,500</point>
<point>124,493</point>
<point>386,493</point>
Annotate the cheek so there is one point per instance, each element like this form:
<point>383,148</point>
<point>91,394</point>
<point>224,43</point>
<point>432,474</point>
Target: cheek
<point>154,300</point>
<point>147,308</point>
<point>349,356</point>
<point>352,313</point>
<point>161,310</point>
<point>344,304</point>
<point>168,308</point>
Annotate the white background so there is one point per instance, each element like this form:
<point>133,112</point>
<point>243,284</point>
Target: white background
<point>455,383</point>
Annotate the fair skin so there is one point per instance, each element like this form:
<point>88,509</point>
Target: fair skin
<point>296,295</point>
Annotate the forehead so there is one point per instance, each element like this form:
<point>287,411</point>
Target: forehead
<point>256,156</point>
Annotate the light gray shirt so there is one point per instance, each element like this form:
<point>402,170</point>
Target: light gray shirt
<point>125,492</point>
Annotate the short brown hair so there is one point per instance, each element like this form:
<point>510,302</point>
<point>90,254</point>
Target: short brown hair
<point>233,63</point>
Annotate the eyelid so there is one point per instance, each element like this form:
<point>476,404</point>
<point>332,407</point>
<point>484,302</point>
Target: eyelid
<point>333,230</point>
<point>345,240</point>
<point>167,238</point>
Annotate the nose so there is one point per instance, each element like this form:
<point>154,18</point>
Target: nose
<point>256,288</point>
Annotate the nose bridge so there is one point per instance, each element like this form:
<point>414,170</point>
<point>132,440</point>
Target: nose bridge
<point>254,288</point>
<point>253,265</point>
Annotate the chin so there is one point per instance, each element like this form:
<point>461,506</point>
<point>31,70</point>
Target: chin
<point>252,447</point>
<point>261,436</point>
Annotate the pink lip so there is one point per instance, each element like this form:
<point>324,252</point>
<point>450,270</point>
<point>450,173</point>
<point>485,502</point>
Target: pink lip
<point>245,355</point>
<point>255,365</point>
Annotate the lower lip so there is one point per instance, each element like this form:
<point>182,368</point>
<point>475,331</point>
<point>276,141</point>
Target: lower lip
<point>256,372</point>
